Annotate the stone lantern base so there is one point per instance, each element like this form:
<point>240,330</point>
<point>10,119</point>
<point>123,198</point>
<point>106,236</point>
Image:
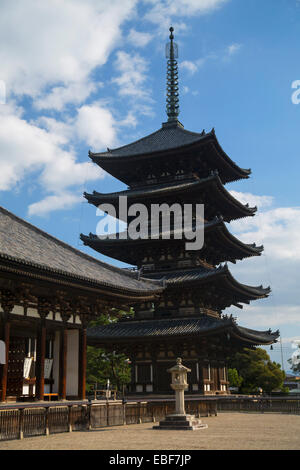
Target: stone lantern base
<point>181,423</point>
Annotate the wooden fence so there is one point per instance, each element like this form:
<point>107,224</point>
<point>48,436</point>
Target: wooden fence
<point>260,404</point>
<point>19,421</point>
<point>35,419</point>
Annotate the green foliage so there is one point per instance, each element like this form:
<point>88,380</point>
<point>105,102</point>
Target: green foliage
<point>257,371</point>
<point>103,365</point>
<point>235,380</point>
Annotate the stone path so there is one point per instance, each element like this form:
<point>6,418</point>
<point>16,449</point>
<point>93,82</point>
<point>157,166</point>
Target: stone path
<point>230,431</point>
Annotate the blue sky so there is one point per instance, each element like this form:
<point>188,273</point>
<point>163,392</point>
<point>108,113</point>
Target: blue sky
<point>91,74</point>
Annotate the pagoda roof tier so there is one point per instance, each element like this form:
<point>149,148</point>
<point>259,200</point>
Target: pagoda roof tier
<point>220,286</point>
<point>163,329</point>
<point>200,152</point>
<point>219,245</point>
<point>209,191</point>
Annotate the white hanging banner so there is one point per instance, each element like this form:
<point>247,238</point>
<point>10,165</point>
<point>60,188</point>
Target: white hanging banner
<point>47,368</point>
<point>2,352</point>
<point>27,367</point>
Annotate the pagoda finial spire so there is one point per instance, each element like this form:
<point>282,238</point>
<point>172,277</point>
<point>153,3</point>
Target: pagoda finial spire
<point>172,79</point>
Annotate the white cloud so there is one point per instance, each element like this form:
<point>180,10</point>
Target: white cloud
<point>279,266</point>
<point>51,49</point>
<point>190,66</point>
<point>278,229</point>
<point>75,93</point>
<point>193,66</point>
<point>253,200</point>
<point>57,41</point>
<point>139,39</point>
<point>95,124</point>
<point>26,148</point>
<point>271,316</point>
<point>233,49</point>
<point>162,11</point>
<point>132,76</point>
<point>55,202</point>
<point>291,340</point>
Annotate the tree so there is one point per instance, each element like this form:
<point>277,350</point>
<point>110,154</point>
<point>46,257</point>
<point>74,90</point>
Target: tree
<point>235,380</point>
<point>257,371</point>
<point>102,365</point>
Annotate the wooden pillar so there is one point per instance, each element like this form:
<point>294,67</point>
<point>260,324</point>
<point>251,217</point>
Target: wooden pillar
<point>82,364</point>
<point>6,335</point>
<point>63,362</point>
<point>7,304</point>
<point>40,361</point>
<point>44,307</point>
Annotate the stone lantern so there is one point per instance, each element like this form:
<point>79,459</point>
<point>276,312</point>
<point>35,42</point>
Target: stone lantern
<point>180,420</point>
<point>179,384</point>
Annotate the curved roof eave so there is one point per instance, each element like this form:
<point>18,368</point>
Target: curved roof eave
<point>97,198</point>
<point>193,327</point>
<point>113,156</point>
<point>255,337</point>
<point>107,243</point>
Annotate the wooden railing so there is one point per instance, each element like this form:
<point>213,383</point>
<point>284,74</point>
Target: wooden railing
<point>289,405</point>
<point>24,420</point>
<point>35,419</point>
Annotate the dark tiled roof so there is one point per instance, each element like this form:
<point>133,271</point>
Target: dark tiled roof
<point>122,238</point>
<point>201,152</point>
<point>233,208</point>
<point>149,328</point>
<point>186,275</point>
<point>202,273</point>
<point>216,235</point>
<point>168,137</point>
<point>26,244</point>
<point>176,327</point>
<point>258,337</point>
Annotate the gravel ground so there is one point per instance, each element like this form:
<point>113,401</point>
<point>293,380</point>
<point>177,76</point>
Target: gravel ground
<point>228,431</point>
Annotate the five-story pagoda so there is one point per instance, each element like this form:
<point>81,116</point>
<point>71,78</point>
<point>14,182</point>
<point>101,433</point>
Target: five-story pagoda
<point>171,166</point>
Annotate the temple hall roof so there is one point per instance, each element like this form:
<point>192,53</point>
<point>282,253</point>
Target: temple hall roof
<point>24,244</point>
